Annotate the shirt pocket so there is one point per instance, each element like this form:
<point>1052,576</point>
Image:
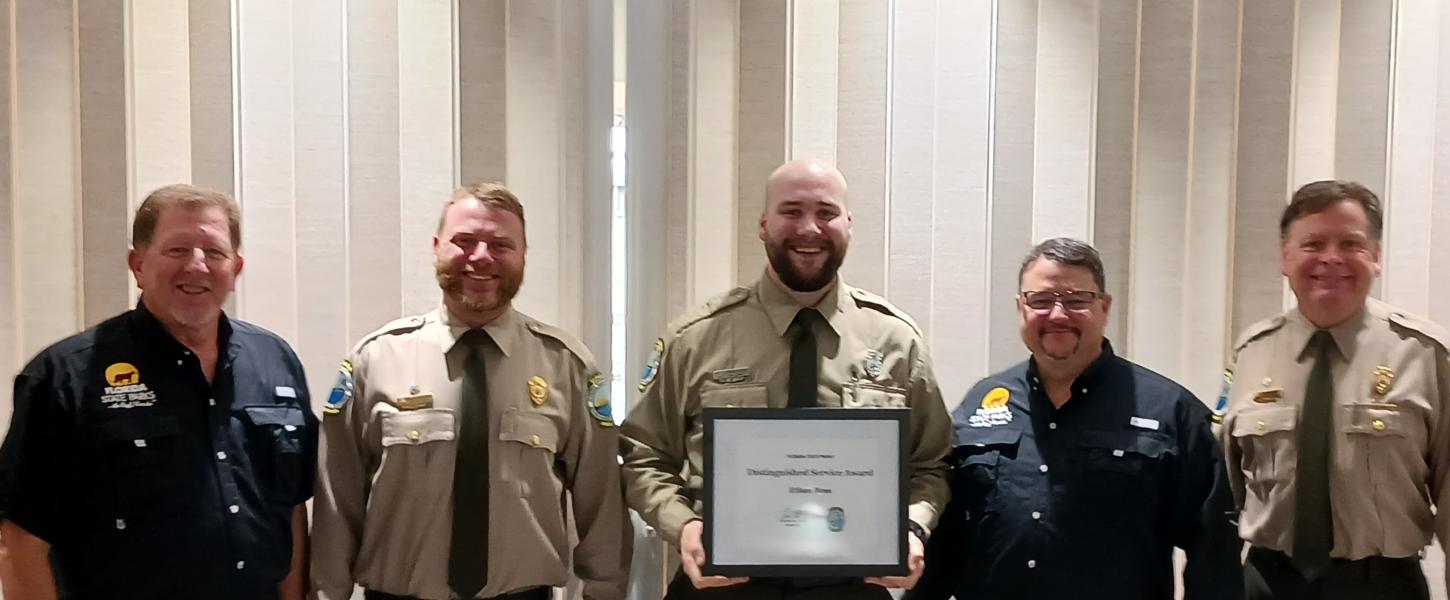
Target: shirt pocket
<point>529,442</point>
<point>1379,436</point>
<point>746,395</point>
<point>872,395</point>
<point>279,435</point>
<point>974,468</point>
<point>1266,442</point>
<point>1123,470</point>
<point>142,462</point>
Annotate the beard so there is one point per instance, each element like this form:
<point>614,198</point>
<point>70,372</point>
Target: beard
<point>779,255</point>
<point>451,282</point>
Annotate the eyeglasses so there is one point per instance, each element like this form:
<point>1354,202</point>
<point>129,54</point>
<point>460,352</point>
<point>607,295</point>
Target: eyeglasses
<point>1073,300</point>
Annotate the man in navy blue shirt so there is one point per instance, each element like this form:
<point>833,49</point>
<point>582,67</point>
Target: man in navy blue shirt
<point>166,452</point>
<point>1076,472</point>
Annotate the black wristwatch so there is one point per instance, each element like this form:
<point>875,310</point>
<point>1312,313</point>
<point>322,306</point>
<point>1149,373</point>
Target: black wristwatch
<point>917,530</point>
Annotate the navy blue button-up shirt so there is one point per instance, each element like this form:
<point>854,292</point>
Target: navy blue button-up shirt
<point>148,481</point>
<point>1086,501</point>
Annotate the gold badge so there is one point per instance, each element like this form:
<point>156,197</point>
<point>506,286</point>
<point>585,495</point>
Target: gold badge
<point>1384,379</point>
<point>538,390</point>
<point>414,402</point>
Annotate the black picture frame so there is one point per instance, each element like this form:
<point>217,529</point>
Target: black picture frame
<point>900,416</point>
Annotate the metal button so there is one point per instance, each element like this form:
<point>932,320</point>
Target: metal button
<point>1260,425</point>
<point>221,456</point>
<point>234,508</point>
<point>413,435</point>
<point>1042,468</point>
<point>534,439</point>
<point>1378,425</point>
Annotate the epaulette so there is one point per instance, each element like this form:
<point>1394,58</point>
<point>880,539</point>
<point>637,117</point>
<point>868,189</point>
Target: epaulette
<point>1256,331</point>
<point>868,299</point>
<point>1422,326</point>
<point>573,344</point>
<point>708,309</point>
<point>395,326</point>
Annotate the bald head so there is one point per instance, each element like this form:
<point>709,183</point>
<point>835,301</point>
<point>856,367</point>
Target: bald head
<point>804,174</point>
<point>805,224</point>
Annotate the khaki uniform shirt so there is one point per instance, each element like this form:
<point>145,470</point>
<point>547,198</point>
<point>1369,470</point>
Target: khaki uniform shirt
<point>1390,446</point>
<point>735,351</point>
<point>384,499</point>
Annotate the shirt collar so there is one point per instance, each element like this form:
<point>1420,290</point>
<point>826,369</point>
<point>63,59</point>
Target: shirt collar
<point>1346,335</point>
<point>781,308</point>
<point>1087,375</point>
<point>504,331</point>
<point>151,329</point>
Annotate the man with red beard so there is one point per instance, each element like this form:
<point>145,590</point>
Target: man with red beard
<point>798,337</point>
<point>1337,429</point>
<point>452,438</point>
<point>1077,472</point>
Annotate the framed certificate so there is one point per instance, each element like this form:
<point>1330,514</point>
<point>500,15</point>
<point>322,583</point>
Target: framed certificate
<point>817,492</point>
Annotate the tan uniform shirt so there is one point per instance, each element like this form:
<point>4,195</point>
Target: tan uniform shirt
<point>384,498</point>
<point>735,351</point>
<point>1391,431</point>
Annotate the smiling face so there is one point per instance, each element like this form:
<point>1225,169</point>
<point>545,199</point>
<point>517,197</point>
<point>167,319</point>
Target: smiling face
<point>1331,260</point>
<point>805,226</point>
<point>478,256</point>
<point>188,268</point>
<point>1065,333</point>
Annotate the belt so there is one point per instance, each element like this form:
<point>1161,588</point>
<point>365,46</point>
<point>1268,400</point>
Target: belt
<point>538,593</point>
<point>1367,568</point>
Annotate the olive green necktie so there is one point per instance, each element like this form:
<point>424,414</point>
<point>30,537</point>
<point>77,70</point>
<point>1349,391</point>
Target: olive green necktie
<point>1313,521</point>
<point>468,549</point>
<point>804,361</point>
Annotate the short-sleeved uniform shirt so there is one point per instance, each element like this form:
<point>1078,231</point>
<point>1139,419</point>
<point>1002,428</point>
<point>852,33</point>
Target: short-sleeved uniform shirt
<point>148,481</point>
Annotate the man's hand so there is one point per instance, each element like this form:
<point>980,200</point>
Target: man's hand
<point>692,556</point>
<point>915,559</point>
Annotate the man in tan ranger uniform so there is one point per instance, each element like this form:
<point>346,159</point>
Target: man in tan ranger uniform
<point>737,350</point>
<point>452,437</point>
<point>1336,433</point>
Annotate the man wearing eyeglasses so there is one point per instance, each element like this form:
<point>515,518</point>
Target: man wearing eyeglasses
<point>1076,472</point>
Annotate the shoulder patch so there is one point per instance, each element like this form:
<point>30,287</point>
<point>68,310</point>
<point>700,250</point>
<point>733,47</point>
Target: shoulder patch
<point>652,366</point>
<point>1256,331</point>
<point>573,344</point>
<point>1422,326</point>
<point>598,402</point>
<point>396,326</point>
<point>341,390</point>
<point>867,299</point>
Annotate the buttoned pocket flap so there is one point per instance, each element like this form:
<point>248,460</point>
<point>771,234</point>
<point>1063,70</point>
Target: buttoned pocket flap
<point>531,429</point>
<point>416,427</point>
<point>734,396</point>
<point>983,437</point>
<point>1373,419</point>
<point>870,395</point>
<point>1265,421</point>
<point>280,416</point>
<point>136,431</point>
<point>1119,443</point>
